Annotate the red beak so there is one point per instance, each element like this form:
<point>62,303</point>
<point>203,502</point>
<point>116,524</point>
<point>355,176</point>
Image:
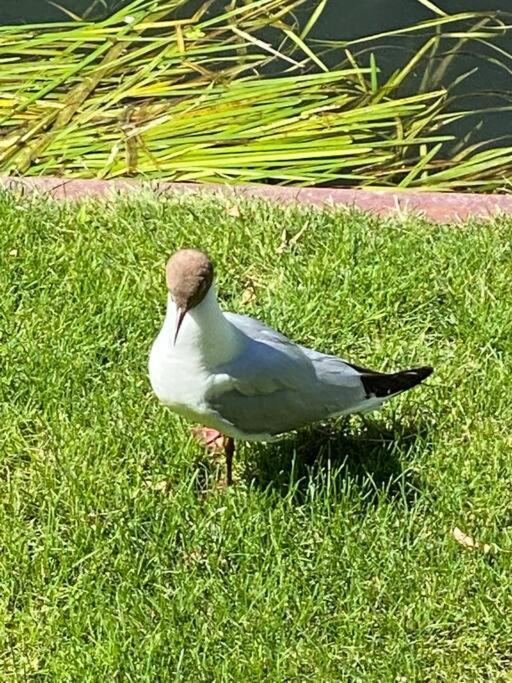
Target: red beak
<point>181,315</point>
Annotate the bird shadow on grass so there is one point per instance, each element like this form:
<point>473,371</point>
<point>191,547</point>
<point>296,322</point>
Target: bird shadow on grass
<point>372,455</point>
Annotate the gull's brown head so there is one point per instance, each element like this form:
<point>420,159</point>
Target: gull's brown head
<point>189,277</point>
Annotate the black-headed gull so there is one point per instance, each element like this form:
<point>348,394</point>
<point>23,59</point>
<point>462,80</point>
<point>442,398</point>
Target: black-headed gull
<point>242,379</point>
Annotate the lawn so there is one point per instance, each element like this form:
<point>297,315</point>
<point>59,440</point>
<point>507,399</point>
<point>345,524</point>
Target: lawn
<point>333,557</point>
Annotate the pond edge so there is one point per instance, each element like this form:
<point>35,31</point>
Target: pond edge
<point>435,206</point>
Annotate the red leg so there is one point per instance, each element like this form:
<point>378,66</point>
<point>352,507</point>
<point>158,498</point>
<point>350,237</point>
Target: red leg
<point>216,442</point>
<point>211,439</point>
<point>229,449</point>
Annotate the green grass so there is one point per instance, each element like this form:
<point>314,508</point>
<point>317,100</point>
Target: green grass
<point>332,559</point>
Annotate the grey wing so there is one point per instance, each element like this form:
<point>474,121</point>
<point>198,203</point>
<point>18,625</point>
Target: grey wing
<point>278,386</point>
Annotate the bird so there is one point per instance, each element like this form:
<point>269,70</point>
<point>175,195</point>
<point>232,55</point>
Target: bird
<point>239,378</point>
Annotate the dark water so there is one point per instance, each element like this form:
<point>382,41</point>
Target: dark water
<point>490,86</point>
<point>39,11</point>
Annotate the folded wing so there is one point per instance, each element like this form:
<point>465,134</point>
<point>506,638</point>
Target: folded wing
<point>277,386</point>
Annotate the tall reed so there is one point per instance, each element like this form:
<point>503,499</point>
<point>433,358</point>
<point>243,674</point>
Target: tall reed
<point>147,92</point>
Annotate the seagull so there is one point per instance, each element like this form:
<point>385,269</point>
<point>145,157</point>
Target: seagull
<point>240,379</point>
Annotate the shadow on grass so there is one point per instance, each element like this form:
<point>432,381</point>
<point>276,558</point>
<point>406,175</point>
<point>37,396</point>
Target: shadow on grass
<point>371,455</point>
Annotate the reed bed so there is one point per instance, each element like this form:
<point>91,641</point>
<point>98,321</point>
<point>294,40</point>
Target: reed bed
<point>154,92</point>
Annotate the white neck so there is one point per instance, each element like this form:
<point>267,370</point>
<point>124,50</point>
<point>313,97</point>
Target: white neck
<point>205,334</point>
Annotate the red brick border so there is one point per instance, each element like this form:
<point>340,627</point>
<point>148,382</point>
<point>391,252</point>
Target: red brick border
<point>437,206</point>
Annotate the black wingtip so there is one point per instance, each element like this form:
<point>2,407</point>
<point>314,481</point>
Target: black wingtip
<point>382,386</point>
<point>423,372</point>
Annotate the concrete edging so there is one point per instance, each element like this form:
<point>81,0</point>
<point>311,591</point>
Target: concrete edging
<point>436,206</point>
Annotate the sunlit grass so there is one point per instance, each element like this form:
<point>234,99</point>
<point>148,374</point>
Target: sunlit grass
<point>332,558</point>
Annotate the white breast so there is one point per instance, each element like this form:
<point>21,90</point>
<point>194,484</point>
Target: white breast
<point>182,375</point>
<point>175,381</point>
